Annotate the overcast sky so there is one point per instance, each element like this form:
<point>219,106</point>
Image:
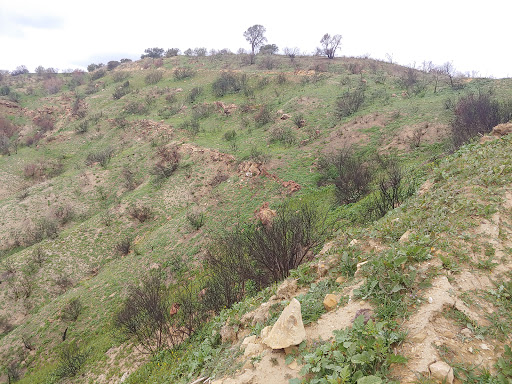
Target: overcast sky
<point>473,35</point>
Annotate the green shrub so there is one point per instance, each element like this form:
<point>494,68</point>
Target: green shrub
<point>181,73</point>
<point>284,135</point>
<point>153,77</point>
<point>71,310</point>
<point>195,219</point>
<point>229,82</point>
<point>194,94</point>
<point>349,103</point>
<point>102,157</point>
<point>263,116</point>
<point>230,135</point>
<point>71,360</point>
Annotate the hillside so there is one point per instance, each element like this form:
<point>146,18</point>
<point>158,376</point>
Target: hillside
<point>114,175</point>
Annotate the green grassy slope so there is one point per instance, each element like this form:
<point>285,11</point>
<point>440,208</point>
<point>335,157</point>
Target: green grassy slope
<point>81,261</point>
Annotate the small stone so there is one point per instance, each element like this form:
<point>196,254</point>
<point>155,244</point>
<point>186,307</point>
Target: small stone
<point>470,349</point>
<point>485,347</point>
<point>249,339</point>
<point>419,337</point>
<point>442,372</point>
<point>353,242</point>
<point>466,332</point>
<point>340,280</point>
<point>330,302</point>
<point>430,300</point>
<point>358,268</point>
<point>447,333</point>
<point>293,365</point>
<point>253,349</point>
<point>405,237</point>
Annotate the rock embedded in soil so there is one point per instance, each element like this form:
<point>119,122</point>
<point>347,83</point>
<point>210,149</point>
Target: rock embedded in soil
<point>330,302</point>
<point>441,372</point>
<point>288,329</point>
<point>287,289</point>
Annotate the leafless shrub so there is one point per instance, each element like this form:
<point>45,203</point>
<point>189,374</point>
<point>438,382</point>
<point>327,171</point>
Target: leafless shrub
<point>349,103</point>
<point>282,134</point>
<point>53,85</point>
<point>351,175</point>
<point>130,182</point>
<point>140,212</point>
<point>168,161</point>
<point>146,315</point>
<point>45,122</point>
<point>63,213</point>
<point>63,281</point>
<point>474,115</point>
<point>267,62</point>
<point>136,108</point>
<point>194,94</point>
<point>102,157</point>
<point>124,246</point>
<point>5,325</point>
<point>281,79</point>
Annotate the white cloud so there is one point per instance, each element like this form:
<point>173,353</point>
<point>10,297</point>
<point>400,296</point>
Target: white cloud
<point>58,34</point>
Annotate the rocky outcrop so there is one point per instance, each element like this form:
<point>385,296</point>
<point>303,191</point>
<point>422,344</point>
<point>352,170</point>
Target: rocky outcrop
<point>289,329</point>
<point>502,130</point>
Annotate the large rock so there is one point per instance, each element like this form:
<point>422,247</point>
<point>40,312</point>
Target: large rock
<point>441,372</point>
<point>289,329</point>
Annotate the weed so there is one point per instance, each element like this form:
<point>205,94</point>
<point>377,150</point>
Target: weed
<point>360,354</point>
<point>196,219</point>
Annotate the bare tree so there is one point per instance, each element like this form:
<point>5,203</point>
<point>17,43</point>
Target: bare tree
<point>449,70</point>
<point>255,35</point>
<point>291,52</point>
<point>330,44</point>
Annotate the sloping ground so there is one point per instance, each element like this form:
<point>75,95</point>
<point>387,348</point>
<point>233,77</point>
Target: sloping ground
<point>463,316</point>
<point>82,262</point>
